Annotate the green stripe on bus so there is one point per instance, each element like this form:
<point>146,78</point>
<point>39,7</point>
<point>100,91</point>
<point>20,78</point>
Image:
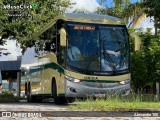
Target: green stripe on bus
<point>46,66</point>
<point>54,66</point>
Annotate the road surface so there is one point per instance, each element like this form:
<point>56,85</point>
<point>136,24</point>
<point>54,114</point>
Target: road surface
<point>44,111</point>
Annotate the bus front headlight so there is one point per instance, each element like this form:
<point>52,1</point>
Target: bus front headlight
<point>124,82</point>
<point>72,79</point>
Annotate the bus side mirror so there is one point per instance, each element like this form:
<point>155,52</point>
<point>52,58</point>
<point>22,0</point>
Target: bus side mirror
<point>137,41</point>
<point>62,32</point>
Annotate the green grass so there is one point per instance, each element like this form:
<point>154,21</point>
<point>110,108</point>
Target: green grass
<point>117,104</point>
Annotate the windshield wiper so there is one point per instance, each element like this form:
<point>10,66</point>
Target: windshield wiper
<point>109,59</point>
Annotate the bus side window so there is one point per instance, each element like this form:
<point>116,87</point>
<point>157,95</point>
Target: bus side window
<point>60,49</point>
<point>49,37</point>
<point>62,55</point>
<point>60,52</point>
<point>50,46</point>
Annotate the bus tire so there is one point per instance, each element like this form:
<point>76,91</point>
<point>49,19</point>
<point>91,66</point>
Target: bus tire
<point>29,92</point>
<point>54,91</point>
<point>26,86</point>
<point>36,99</point>
<point>32,98</point>
<point>70,99</point>
<point>57,99</point>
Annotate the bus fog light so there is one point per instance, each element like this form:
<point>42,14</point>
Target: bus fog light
<point>72,89</point>
<point>124,82</point>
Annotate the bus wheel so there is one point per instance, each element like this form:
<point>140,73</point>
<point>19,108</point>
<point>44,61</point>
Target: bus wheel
<point>70,99</point>
<point>28,92</point>
<point>54,91</point>
<point>36,99</point>
<point>57,99</point>
<point>26,88</point>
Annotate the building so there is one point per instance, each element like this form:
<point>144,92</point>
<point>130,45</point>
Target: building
<point>11,70</point>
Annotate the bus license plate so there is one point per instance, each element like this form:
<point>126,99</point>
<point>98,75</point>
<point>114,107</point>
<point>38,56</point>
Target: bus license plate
<point>99,95</point>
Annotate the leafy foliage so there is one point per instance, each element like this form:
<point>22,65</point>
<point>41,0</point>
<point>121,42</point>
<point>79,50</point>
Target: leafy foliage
<point>22,23</point>
<point>8,97</point>
<point>132,14</point>
<point>145,64</point>
<point>152,9</point>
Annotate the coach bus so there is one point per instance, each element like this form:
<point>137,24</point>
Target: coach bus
<point>88,55</point>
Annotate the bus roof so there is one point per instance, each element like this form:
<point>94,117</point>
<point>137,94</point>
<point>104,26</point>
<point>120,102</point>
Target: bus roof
<point>84,18</point>
<point>90,18</point>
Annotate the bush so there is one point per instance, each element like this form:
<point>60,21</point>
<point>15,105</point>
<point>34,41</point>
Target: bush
<point>145,64</point>
<point>8,97</point>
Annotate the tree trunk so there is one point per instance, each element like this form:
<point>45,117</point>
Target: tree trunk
<point>157,90</point>
<point>155,25</point>
<point>10,84</point>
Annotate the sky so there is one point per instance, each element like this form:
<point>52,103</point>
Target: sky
<point>11,48</point>
<point>89,5</point>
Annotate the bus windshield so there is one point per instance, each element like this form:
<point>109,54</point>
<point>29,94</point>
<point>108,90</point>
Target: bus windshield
<point>97,49</point>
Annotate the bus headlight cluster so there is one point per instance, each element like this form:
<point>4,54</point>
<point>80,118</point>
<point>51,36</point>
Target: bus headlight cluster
<point>72,79</point>
<point>124,82</point>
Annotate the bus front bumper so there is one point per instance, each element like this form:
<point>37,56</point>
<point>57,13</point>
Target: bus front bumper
<point>78,90</point>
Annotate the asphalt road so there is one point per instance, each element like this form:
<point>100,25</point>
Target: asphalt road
<point>50,111</point>
<point>32,107</point>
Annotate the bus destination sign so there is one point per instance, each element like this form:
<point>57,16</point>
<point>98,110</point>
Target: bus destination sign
<point>84,28</point>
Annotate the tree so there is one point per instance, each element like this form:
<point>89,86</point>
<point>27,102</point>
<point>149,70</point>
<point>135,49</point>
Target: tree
<point>10,84</point>
<point>132,14</point>
<point>152,9</point>
<point>145,64</point>
<point>21,23</point>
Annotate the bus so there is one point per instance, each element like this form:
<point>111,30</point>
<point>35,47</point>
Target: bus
<point>87,55</point>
